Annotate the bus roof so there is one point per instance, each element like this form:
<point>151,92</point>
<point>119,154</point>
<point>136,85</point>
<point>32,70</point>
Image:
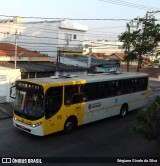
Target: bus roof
<point>65,80</point>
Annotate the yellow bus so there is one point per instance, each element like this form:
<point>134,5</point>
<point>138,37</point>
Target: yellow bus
<point>48,105</point>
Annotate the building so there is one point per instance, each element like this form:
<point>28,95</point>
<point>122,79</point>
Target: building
<point>32,64</point>
<point>46,37</point>
<point>94,64</point>
<point>8,76</point>
<point>7,54</point>
<point>103,47</point>
<point>116,56</point>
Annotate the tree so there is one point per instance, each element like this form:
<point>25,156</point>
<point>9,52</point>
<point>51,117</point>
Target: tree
<point>147,40</point>
<point>140,42</point>
<point>128,40</point>
<point>148,121</point>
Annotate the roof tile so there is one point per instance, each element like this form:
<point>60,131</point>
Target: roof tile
<point>7,49</point>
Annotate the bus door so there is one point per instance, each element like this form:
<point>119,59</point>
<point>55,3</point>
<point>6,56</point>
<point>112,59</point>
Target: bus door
<point>74,102</point>
<point>53,103</point>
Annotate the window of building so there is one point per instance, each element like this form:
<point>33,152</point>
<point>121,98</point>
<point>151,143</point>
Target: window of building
<point>74,36</point>
<point>68,36</point>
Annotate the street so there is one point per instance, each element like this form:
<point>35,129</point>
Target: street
<point>112,137</point>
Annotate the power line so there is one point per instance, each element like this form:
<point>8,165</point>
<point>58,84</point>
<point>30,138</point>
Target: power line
<point>128,4</point>
<point>63,19</point>
<point>108,27</point>
<point>102,46</point>
<point>55,32</point>
<point>50,31</point>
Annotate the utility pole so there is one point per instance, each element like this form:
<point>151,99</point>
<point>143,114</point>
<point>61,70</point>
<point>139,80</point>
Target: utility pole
<point>89,57</point>
<point>58,59</point>
<point>15,54</point>
<point>153,12</point>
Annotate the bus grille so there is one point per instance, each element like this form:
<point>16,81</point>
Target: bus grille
<point>23,128</point>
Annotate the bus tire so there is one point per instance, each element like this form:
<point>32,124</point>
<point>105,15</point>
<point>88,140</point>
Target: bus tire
<point>124,110</point>
<point>70,125</point>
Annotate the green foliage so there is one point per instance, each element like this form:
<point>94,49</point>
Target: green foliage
<point>148,121</point>
<point>128,40</point>
<point>141,41</point>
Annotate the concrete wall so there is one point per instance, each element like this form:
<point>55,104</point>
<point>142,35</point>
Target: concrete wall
<point>105,47</point>
<point>7,81</point>
<point>44,37</point>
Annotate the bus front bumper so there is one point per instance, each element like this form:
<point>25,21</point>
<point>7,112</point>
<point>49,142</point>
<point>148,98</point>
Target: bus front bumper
<point>28,128</point>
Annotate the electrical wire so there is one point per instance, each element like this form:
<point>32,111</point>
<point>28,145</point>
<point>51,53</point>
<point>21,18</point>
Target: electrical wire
<point>48,44</point>
<point>89,34</point>
<point>129,4</point>
<point>63,19</point>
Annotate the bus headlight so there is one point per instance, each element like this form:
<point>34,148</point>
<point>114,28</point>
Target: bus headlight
<point>36,125</point>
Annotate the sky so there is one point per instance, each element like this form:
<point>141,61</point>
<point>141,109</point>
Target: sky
<point>84,9</point>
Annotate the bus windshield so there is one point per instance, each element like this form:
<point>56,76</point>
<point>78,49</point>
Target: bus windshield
<point>29,104</point>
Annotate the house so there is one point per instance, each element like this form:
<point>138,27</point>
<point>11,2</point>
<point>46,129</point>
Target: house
<point>116,56</point>
<point>33,64</point>
<point>103,47</point>
<point>46,37</point>
<point>8,76</point>
<point>7,53</point>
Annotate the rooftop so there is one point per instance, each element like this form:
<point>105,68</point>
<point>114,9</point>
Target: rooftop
<point>42,67</point>
<point>94,61</point>
<point>7,49</point>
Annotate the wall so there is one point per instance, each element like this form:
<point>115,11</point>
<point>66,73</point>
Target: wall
<point>7,80</point>
<point>105,47</point>
<point>43,37</point>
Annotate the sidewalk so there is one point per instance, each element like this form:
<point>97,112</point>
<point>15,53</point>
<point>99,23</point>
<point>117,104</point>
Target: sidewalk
<point>6,110</point>
<point>154,79</point>
<point>154,84</point>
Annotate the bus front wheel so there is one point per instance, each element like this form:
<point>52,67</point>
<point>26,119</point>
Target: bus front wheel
<point>70,125</point>
<point>124,110</point>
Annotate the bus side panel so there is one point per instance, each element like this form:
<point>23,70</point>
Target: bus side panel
<point>100,109</point>
<point>56,122</point>
<point>137,100</point>
<point>76,110</point>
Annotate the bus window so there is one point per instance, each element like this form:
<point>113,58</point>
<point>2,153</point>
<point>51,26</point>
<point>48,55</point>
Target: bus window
<point>110,89</point>
<point>19,102</point>
<point>74,94</point>
<point>53,101</point>
<point>129,86</point>
<point>34,104</point>
<point>29,104</point>
<point>141,84</point>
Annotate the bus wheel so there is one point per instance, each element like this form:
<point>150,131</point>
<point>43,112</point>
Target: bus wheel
<point>70,125</point>
<point>124,110</point>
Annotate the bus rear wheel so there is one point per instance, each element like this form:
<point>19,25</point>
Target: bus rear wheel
<point>69,125</point>
<point>124,110</point>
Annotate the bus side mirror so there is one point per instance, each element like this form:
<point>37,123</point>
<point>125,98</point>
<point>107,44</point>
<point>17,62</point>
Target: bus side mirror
<point>12,92</point>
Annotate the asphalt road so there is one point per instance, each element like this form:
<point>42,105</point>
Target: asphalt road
<point>112,137</point>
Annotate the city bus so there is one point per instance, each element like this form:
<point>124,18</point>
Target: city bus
<point>48,105</point>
